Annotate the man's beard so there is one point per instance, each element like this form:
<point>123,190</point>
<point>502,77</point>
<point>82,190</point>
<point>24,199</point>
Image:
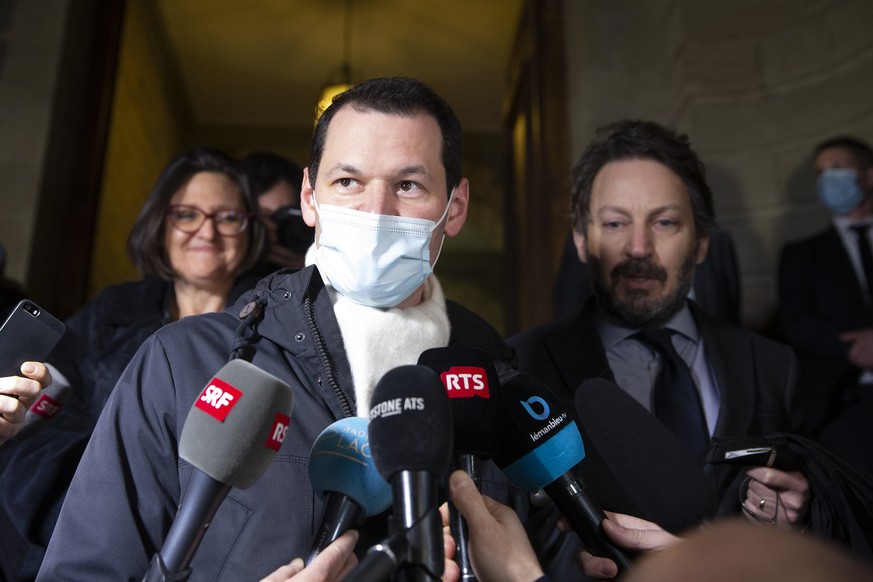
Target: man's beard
<point>637,310</point>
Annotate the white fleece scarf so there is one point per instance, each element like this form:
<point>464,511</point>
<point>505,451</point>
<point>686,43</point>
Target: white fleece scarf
<point>378,340</point>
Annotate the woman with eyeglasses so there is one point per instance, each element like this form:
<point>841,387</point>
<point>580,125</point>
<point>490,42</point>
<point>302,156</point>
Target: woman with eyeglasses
<point>196,237</point>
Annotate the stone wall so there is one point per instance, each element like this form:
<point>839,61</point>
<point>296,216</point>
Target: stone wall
<point>755,84</point>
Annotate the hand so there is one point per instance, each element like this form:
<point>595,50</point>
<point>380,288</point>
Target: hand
<point>333,563</point>
<point>861,350</point>
<point>498,545</point>
<point>17,394</point>
<point>627,532</point>
<point>776,497</point>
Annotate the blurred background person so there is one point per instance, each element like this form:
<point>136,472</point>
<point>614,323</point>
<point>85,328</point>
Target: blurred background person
<point>196,237</point>
<point>276,182</point>
<point>825,304</point>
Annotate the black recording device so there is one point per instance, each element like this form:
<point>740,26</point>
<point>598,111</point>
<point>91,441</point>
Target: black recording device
<point>291,230</point>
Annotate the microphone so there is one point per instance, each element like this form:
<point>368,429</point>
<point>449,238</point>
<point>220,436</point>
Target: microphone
<point>343,474</point>
<point>635,465</point>
<point>469,379</point>
<point>49,404</point>
<point>230,436</point>
<point>541,449</point>
<point>411,442</point>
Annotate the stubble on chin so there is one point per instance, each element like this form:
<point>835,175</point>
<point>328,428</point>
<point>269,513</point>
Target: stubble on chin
<point>640,308</point>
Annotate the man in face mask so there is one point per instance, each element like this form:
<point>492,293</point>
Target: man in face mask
<point>383,188</point>
<point>825,285</point>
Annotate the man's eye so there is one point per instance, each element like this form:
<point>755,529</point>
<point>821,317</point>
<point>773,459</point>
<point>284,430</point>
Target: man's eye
<point>407,186</point>
<point>345,182</point>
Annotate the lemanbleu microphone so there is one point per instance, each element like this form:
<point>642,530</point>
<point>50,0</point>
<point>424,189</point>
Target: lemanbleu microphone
<point>541,448</point>
<point>343,474</point>
<point>635,465</point>
<point>472,385</point>
<point>230,436</point>
<point>411,442</point>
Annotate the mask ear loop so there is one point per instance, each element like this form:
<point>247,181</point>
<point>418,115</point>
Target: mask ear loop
<point>445,216</point>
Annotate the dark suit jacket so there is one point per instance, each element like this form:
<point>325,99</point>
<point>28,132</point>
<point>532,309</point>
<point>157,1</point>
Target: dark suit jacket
<point>756,379</point>
<point>820,297</point>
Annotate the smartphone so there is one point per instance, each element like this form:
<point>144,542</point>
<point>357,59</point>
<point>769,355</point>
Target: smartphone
<point>27,335</point>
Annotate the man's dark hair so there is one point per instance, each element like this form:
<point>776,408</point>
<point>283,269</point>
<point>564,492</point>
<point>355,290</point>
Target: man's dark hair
<point>395,96</point>
<point>641,140</point>
<point>858,148</point>
<point>146,244</point>
<point>266,169</point>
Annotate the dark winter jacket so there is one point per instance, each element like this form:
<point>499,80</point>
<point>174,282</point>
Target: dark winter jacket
<point>127,489</point>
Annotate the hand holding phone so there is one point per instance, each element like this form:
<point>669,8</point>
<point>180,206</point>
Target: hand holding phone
<point>28,335</point>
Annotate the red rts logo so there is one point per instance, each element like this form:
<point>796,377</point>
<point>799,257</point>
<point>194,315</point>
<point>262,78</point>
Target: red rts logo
<point>278,432</point>
<point>466,382</point>
<point>46,407</point>
<point>218,398</point>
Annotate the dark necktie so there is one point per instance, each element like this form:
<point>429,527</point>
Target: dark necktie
<point>866,255</point>
<point>676,401</point>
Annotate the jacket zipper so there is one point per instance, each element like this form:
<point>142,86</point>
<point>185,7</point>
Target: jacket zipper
<point>325,358</point>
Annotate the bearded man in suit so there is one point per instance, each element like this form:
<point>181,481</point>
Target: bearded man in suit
<point>642,217</point>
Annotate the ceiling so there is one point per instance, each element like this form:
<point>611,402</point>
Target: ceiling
<point>264,62</point>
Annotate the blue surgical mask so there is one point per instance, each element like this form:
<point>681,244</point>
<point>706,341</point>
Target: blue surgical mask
<point>838,189</point>
<point>374,259</point>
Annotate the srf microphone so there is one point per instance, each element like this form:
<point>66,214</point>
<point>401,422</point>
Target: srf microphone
<point>46,408</point>
<point>635,465</point>
<point>472,385</point>
<point>230,436</point>
<point>411,442</point>
<point>541,449</point>
<point>343,474</point>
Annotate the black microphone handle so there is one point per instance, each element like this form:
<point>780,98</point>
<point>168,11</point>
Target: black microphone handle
<point>340,513</point>
<point>381,561</point>
<point>416,512</point>
<point>457,524</point>
<point>569,493</point>
<point>196,511</point>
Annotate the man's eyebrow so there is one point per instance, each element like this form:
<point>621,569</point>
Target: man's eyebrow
<point>344,169</point>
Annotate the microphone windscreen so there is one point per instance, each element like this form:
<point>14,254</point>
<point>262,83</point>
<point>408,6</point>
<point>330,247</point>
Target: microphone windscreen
<point>237,424</point>
<point>471,383</point>
<point>410,423</point>
<point>635,465</point>
<point>340,462</point>
<point>540,442</point>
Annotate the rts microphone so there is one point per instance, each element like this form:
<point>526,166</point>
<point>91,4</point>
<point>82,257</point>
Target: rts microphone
<point>230,436</point>
<point>635,465</point>
<point>541,449</point>
<point>343,474</point>
<point>411,442</point>
<point>470,381</point>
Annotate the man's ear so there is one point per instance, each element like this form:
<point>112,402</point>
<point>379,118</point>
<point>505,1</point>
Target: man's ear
<point>307,207</point>
<point>581,246</point>
<point>458,210</point>
<point>702,248</point>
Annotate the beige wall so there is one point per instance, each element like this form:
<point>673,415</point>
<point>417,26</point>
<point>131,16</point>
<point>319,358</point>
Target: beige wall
<point>30,53</point>
<point>755,84</point>
<point>145,133</point>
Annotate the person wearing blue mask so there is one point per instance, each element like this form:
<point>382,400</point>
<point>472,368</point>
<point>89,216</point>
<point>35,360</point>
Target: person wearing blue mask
<point>383,189</point>
<point>826,304</point>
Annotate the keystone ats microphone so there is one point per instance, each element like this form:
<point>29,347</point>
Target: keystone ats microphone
<point>469,379</point>
<point>411,441</point>
<point>342,472</point>
<point>541,449</point>
<point>230,436</point>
